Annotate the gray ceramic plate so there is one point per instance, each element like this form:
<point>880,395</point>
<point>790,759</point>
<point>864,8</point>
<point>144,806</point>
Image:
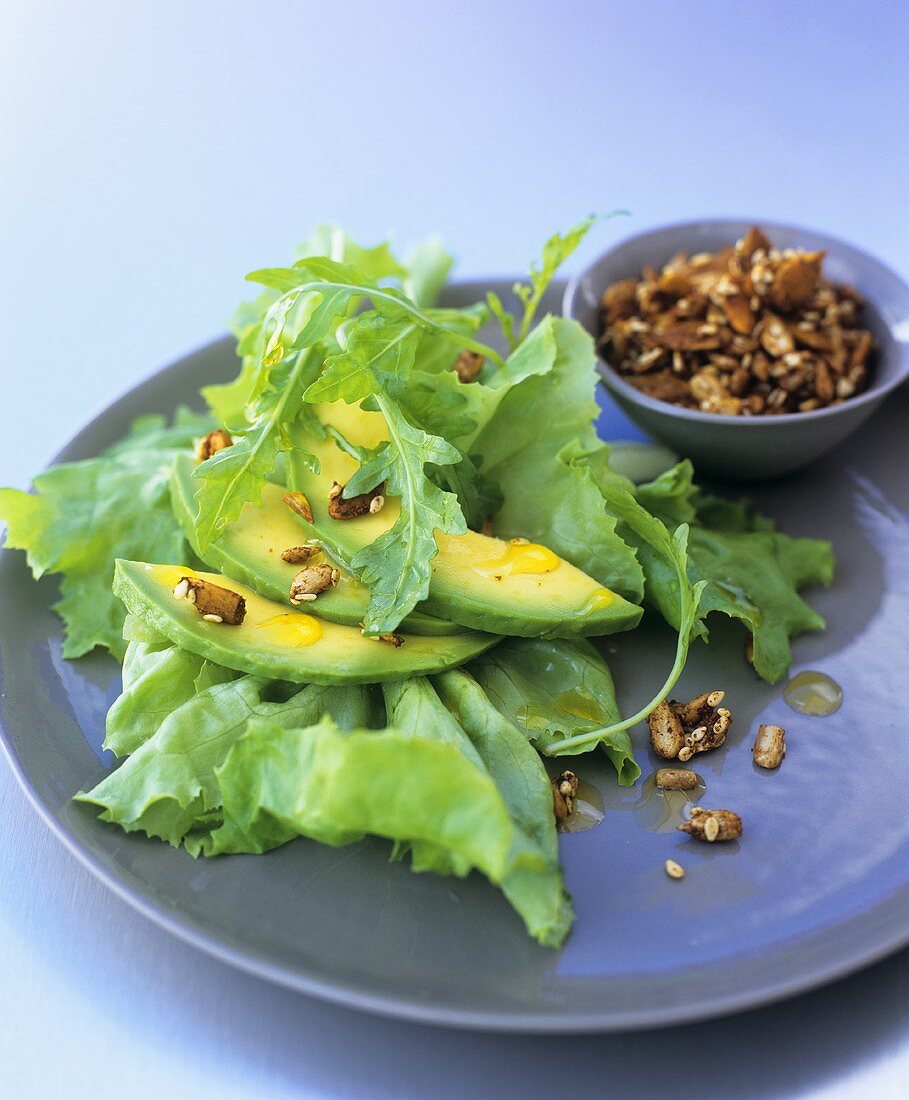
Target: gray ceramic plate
<point>818,886</point>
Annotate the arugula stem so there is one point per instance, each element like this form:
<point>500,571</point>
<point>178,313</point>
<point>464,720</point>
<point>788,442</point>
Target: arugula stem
<point>689,600</point>
<point>589,740</point>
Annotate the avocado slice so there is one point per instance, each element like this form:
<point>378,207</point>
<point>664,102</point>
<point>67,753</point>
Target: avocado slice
<point>484,583</point>
<point>249,551</point>
<point>278,642</point>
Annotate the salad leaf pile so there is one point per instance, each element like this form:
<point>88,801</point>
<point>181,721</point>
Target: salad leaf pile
<point>449,768</point>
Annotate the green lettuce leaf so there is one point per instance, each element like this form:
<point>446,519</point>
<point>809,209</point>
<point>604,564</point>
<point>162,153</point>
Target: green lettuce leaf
<point>334,787</point>
<point>750,571</point>
<point>82,516</point>
<point>554,691</point>
<point>538,894</point>
<point>158,677</point>
<point>168,788</point>
<point>527,449</point>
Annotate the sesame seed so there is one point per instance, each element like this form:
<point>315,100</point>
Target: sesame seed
<point>181,589</point>
<point>673,869</point>
<point>213,618</point>
<point>711,829</point>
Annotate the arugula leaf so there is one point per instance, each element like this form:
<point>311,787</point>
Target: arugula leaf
<point>555,252</point>
<point>330,290</point>
<point>555,690</point>
<point>313,298</point>
<point>397,565</point>
<point>84,515</point>
<point>237,474</point>
<point>379,355</point>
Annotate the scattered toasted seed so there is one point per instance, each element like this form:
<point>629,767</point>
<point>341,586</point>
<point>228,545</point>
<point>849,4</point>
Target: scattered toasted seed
<point>712,825</point>
<point>304,597</point>
<point>215,441</point>
<point>769,746</point>
<point>468,365</point>
<point>685,753</point>
<point>699,734</point>
<point>376,504</point>
<point>667,736</point>
<point>313,579</point>
<point>559,809</point>
<point>673,869</point>
<point>181,589</point>
<point>396,640</point>
<point>298,503</point>
<point>212,600</point>
<point>341,507</point>
<point>675,779</point>
<point>294,555</point>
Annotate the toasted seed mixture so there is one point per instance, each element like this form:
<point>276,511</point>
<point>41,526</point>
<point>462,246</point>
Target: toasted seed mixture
<point>210,444</point>
<point>712,825</point>
<point>769,746</point>
<point>747,331</point>
<point>214,603</point>
<point>361,505</point>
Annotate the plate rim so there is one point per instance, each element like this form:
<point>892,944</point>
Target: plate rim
<point>344,994</point>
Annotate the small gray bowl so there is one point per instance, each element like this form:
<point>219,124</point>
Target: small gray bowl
<point>756,447</point>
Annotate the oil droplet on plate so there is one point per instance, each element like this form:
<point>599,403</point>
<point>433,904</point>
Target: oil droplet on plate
<point>662,811</point>
<point>813,693</point>
<point>588,810</point>
<point>520,557</point>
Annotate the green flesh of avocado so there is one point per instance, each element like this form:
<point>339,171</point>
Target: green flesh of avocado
<point>250,549</point>
<point>483,583</point>
<point>279,642</point>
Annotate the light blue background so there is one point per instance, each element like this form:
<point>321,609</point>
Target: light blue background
<point>154,152</point>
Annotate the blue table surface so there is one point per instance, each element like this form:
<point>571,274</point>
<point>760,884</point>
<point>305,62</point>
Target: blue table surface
<point>153,153</point>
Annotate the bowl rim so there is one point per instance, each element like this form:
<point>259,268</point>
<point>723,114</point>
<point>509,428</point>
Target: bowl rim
<point>875,393</point>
